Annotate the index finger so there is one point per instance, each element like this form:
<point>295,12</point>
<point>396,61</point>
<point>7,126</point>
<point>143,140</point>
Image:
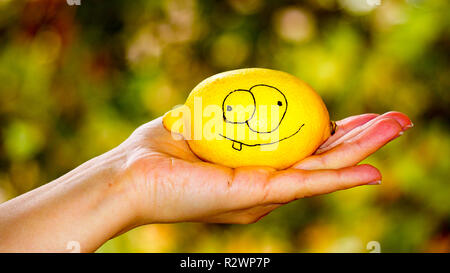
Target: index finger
<point>346,125</point>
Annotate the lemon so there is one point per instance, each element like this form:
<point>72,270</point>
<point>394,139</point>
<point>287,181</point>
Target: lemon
<point>252,117</point>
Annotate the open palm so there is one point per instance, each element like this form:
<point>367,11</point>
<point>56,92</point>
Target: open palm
<point>173,185</point>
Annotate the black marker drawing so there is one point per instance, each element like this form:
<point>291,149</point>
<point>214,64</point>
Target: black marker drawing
<point>237,145</point>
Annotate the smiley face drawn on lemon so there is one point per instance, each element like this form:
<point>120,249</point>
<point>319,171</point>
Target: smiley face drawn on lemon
<point>241,107</point>
<point>251,117</point>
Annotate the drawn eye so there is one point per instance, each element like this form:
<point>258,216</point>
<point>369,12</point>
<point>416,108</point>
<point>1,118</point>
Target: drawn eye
<point>280,103</point>
<point>238,106</point>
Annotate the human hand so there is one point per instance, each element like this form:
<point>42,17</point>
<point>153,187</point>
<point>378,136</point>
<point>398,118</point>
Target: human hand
<point>170,184</point>
<point>153,178</point>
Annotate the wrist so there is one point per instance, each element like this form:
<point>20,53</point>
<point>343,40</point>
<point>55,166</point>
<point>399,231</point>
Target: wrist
<point>104,198</point>
<point>89,205</point>
<point>117,190</point>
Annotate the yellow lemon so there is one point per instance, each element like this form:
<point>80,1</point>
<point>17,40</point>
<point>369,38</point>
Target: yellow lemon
<point>252,117</point>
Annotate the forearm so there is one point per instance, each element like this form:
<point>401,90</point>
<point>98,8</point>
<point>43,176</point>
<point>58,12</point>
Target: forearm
<point>88,205</point>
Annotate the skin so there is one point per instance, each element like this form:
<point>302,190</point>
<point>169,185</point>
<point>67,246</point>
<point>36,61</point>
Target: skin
<point>152,178</point>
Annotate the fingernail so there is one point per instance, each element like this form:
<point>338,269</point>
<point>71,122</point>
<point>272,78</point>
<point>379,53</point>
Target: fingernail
<point>399,134</point>
<point>378,182</point>
<point>409,126</point>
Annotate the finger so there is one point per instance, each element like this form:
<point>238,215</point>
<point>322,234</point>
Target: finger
<point>346,125</point>
<point>288,185</point>
<point>354,150</point>
<point>401,118</point>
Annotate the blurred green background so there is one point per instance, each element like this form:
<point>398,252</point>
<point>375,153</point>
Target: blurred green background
<point>76,80</point>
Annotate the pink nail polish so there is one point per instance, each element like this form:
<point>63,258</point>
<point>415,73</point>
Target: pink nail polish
<point>378,182</point>
<point>409,126</point>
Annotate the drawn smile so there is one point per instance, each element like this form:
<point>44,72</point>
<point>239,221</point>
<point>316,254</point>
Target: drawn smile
<point>247,115</point>
<point>237,145</point>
